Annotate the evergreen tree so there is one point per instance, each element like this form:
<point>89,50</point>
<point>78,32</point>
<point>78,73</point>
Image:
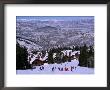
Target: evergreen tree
<point>91,62</point>
<point>83,56</point>
<point>86,57</point>
<point>77,48</point>
<point>91,57</point>
<point>21,58</point>
<point>65,59</point>
<point>50,57</point>
<point>73,48</point>
<point>91,51</point>
<point>43,53</point>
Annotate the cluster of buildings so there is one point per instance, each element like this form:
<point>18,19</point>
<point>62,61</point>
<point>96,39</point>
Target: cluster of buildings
<point>39,58</point>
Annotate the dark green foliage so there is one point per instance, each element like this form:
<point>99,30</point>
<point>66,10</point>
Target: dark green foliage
<point>73,48</point>
<point>59,57</point>
<point>50,57</point>
<point>83,56</point>
<point>77,48</point>
<point>43,53</point>
<point>91,51</point>
<point>86,57</point>
<point>91,62</point>
<point>21,58</point>
<point>91,57</point>
<point>34,52</point>
<point>65,58</point>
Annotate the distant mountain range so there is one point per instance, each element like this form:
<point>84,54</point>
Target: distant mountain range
<point>42,35</point>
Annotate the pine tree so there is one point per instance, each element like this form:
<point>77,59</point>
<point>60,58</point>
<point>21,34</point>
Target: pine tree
<point>77,48</point>
<point>73,48</point>
<point>21,58</point>
<point>50,57</point>
<point>83,56</point>
<point>91,57</point>
<point>91,51</point>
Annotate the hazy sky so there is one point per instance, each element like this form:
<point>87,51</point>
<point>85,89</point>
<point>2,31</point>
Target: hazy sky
<point>55,17</point>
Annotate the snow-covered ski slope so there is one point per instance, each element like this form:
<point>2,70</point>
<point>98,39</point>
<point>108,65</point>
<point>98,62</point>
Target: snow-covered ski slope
<point>48,69</point>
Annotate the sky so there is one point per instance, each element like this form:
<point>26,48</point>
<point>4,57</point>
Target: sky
<point>55,17</point>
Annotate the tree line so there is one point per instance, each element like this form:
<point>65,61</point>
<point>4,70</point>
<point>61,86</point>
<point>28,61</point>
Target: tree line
<point>86,57</point>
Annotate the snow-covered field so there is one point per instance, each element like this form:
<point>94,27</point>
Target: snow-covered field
<point>48,69</point>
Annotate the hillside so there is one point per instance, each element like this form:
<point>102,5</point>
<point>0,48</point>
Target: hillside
<point>48,34</point>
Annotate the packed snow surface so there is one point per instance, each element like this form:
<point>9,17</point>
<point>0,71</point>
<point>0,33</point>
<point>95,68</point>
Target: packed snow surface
<point>54,69</point>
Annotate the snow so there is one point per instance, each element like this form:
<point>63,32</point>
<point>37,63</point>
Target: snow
<point>66,52</point>
<point>54,55</point>
<point>45,63</point>
<point>46,56</point>
<point>29,46</point>
<point>32,59</point>
<point>75,62</point>
<point>48,69</point>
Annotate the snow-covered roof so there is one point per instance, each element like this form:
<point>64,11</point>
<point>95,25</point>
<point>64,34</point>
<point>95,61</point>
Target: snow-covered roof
<point>68,51</point>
